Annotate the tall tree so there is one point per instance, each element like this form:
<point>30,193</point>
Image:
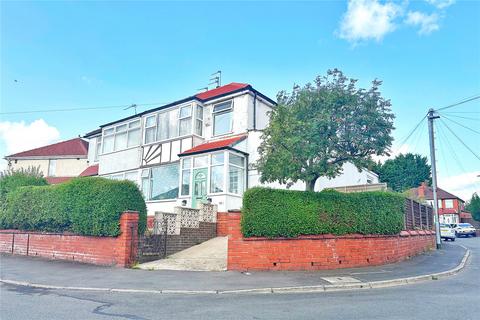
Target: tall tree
<point>405,171</point>
<point>473,206</point>
<point>315,129</point>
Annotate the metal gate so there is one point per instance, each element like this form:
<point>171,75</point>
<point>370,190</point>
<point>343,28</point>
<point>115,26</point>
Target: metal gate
<point>153,246</point>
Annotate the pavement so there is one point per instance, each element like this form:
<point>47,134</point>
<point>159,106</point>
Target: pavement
<point>36,272</point>
<point>210,255</point>
<point>448,298</point>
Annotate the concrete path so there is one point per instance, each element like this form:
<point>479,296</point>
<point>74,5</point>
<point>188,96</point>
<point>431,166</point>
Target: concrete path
<point>41,273</point>
<point>210,255</point>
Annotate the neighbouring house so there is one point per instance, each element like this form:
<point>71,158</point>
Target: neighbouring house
<point>201,148</point>
<point>450,207</point>
<point>58,162</point>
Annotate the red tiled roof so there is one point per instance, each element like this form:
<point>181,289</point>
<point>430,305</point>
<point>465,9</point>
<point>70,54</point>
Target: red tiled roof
<point>221,90</point>
<point>90,171</point>
<point>214,145</point>
<point>73,147</point>
<point>57,180</point>
<point>426,192</point>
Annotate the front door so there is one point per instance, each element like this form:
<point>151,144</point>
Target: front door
<point>199,186</point>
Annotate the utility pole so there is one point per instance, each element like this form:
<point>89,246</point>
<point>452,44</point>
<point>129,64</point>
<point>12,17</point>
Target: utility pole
<point>432,116</point>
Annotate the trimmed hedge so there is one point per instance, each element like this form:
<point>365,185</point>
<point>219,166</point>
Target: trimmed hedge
<point>11,180</point>
<point>284,213</point>
<point>87,206</point>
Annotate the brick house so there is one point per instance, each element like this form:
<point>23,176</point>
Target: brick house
<point>450,207</point>
<point>58,162</point>
<point>199,148</point>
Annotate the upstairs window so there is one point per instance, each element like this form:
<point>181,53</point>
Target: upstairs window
<point>185,120</point>
<point>449,204</point>
<point>223,118</point>
<point>150,129</point>
<point>121,137</point>
<point>98,148</point>
<point>168,125</point>
<point>199,120</point>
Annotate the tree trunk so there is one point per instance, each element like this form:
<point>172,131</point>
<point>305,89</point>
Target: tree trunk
<point>310,185</point>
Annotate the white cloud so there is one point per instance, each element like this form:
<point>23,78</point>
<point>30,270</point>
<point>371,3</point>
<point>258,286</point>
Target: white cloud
<point>427,22</point>
<point>462,185</point>
<point>441,4</point>
<point>368,19</point>
<point>21,136</point>
<point>374,19</point>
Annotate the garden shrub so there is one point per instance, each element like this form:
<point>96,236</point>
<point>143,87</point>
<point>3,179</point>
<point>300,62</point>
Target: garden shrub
<point>10,180</point>
<point>86,206</point>
<point>285,213</point>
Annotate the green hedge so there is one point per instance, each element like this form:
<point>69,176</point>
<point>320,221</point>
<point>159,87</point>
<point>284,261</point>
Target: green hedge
<point>87,206</point>
<point>284,213</point>
<point>11,180</point>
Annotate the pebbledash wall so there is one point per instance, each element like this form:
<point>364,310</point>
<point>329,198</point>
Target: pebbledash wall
<point>318,251</point>
<point>112,251</point>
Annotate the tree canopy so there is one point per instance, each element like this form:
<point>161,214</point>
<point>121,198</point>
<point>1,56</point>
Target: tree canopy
<point>473,206</point>
<point>404,172</point>
<point>317,128</point>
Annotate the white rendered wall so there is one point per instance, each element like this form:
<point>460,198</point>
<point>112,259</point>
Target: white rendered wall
<point>119,161</point>
<point>63,167</point>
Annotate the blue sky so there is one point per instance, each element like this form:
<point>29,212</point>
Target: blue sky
<point>95,54</point>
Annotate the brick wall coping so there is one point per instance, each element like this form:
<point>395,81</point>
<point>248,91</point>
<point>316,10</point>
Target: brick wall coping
<point>405,233</point>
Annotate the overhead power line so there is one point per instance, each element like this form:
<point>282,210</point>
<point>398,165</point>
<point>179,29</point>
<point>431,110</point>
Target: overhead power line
<point>411,133</point>
<point>57,109</point>
<point>460,140</point>
<point>461,117</point>
<point>460,102</point>
<point>458,123</point>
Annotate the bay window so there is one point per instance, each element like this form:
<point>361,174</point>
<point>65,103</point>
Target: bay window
<point>236,174</point>
<point>121,136</point>
<point>185,120</point>
<point>161,183</point>
<point>216,173</point>
<point>150,129</point>
<point>223,118</point>
<point>199,120</point>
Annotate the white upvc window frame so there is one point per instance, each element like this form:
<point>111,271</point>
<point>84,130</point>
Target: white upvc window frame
<point>154,126</point>
<point>209,164</point>
<point>222,112</point>
<point>115,130</point>
<point>179,118</point>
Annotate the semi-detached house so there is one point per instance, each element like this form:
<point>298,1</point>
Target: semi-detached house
<point>201,148</point>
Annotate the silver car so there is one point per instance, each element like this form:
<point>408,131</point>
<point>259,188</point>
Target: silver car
<point>464,229</point>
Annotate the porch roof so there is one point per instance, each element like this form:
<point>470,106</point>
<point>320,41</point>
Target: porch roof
<point>228,143</point>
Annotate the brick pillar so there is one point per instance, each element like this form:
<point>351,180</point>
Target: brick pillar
<point>127,241</point>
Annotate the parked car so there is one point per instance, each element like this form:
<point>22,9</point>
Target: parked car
<point>447,232</point>
<point>464,229</point>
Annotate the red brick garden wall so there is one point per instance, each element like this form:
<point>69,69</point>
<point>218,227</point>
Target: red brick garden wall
<point>321,251</point>
<point>119,251</point>
<point>222,224</point>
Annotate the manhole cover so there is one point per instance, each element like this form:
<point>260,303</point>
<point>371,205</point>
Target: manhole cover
<point>336,280</point>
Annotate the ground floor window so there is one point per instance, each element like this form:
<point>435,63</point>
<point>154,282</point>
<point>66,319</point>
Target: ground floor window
<point>226,172</point>
<point>161,183</point>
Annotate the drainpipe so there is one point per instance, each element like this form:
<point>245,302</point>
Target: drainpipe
<point>255,110</point>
